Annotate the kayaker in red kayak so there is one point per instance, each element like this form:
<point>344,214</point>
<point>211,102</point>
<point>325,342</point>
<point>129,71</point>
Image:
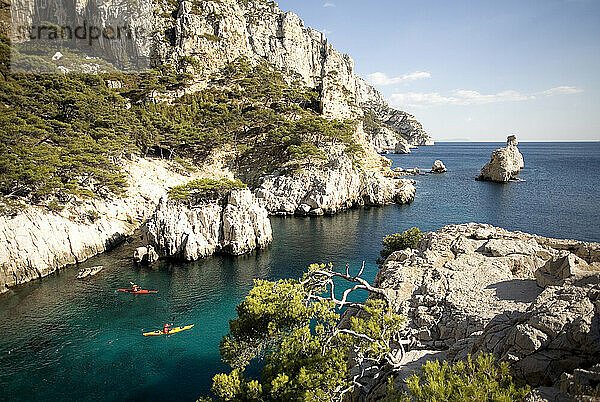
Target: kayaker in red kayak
<point>134,287</point>
<point>167,328</point>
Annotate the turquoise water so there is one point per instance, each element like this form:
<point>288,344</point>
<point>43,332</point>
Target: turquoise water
<point>80,340</point>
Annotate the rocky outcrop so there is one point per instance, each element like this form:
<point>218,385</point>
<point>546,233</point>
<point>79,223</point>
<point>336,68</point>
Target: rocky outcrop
<point>505,163</point>
<point>558,269</point>
<point>555,339</point>
<point>474,288</point>
<point>145,255</point>
<point>36,242</point>
<point>402,147</point>
<point>202,36</point>
<point>402,124</point>
<point>327,189</point>
<point>234,224</point>
<point>438,167</point>
<point>215,33</point>
<point>385,140</point>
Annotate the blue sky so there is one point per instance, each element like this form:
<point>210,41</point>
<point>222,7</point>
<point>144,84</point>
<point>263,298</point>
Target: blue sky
<point>476,70</point>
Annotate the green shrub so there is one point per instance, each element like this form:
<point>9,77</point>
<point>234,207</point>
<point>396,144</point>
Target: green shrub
<point>55,206</point>
<point>184,164</point>
<point>91,215</point>
<point>479,380</point>
<point>205,188</point>
<point>407,239</point>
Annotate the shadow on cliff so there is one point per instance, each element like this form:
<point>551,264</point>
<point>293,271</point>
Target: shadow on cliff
<point>518,290</point>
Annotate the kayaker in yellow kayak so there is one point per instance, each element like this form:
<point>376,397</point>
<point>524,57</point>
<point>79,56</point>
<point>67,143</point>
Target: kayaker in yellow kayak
<point>167,330</point>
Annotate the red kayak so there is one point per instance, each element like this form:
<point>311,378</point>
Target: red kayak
<point>141,291</point>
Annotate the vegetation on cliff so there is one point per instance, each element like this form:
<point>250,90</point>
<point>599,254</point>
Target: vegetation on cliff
<point>481,379</point>
<point>399,241</point>
<point>295,327</point>
<point>65,134</point>
<point>207,188</point>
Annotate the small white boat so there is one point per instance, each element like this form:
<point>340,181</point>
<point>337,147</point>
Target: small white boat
<point>87,272</point>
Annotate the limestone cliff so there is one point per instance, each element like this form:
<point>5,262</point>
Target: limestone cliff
<point>202,36</point>
<point>531,300</point>
<point>36,242</point>
<point>327,189</point>
<point>402,124</point>
<point>218,32</point>
<point>235,224</point>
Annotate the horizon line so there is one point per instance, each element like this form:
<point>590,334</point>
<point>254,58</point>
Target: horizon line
<point>520,141</point>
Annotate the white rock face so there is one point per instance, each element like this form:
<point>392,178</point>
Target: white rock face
<point>386,140</point>
<point>505,163</point>
<point>235,225</point>
<point>145,255</point>
<point>555,339</point>
<point>458,279</point>
<point>472,288</point>
<point>259,30</point>
<point>332,188</point>
<point>401,123</point>
<point>402,147</point>
<point>36,242</point>
<point>135,51</point>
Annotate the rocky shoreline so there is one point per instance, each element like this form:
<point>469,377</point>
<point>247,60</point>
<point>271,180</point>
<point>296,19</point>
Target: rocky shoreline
<point>36,242</point>
<point>532,301</point>
<point>332,188</point>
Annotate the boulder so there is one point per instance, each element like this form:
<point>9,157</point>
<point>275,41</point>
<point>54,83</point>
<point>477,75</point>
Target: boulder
<point>557,269</point>
<point>559,333</point>
<point>586,381</point>
<point>139,254</point>
<point>505,163</point>
<point>438,167</point>
<point>145,255</point>
<point>303,209</point>
<point>151,256</point>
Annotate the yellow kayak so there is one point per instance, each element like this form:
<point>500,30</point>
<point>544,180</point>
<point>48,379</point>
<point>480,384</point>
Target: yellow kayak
<point>171,331</point>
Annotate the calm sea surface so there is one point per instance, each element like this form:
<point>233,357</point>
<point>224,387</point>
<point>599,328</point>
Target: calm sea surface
<point>64,339</point>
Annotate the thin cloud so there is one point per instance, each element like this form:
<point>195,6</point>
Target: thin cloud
<point>329,4</point>
<point>326,31</point>
<point>460,97</point>
<point>381,79</point>
<point>564,90</point>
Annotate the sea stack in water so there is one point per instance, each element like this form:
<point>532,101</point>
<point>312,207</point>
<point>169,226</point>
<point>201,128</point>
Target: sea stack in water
<point>438,167</point>
<point>505,163</point>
